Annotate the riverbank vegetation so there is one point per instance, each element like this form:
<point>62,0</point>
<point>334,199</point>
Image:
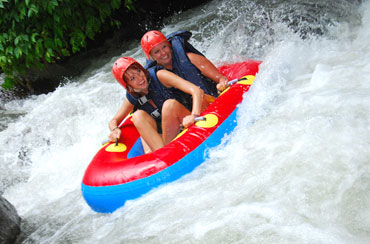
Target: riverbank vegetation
<point>36,33</point>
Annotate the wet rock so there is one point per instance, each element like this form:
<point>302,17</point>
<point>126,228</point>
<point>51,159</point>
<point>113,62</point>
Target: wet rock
<point>9,222</point>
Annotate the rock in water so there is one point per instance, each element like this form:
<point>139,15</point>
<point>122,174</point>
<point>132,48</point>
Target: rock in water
<point>9,222</point>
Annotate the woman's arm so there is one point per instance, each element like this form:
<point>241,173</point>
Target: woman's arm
<point>208,69</point>
<point>170,79</point>
<point>124,110</point>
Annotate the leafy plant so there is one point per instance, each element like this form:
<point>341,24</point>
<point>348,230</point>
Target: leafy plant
<point>34,33</point>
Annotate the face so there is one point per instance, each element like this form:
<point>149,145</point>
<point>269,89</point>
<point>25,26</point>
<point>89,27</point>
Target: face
<point>136,78</point>
<point>162,54</point>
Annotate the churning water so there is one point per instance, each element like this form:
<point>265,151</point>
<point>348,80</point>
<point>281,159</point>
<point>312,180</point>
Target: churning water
<point>295,170</point>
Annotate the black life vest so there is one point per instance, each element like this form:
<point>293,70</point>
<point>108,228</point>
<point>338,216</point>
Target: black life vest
<point>156,92</point>
<point>182,66</point>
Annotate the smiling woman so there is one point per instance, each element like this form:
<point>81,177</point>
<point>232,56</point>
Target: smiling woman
<point>162,54</point>
<point>176,54</point>
<point>134,78</point>
<point>120,171</point>
<point>156,108</point>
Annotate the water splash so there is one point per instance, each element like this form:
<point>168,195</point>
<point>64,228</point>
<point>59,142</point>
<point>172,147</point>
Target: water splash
<point>295,170</point>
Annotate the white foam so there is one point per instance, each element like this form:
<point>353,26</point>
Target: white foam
<point>295,170</point>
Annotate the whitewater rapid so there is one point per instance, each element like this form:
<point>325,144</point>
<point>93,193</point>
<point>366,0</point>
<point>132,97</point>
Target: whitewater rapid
<point>295,170</point>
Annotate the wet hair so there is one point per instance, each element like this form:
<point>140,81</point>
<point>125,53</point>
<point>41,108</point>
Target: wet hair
<point>125,77</point>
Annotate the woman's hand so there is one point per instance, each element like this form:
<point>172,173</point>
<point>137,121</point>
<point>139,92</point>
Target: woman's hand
<point>115,134</point>
<point>122,113</point>
<point>189,120</point>
<point>222,83</point>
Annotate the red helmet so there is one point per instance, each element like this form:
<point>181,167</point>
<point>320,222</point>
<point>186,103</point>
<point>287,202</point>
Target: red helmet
<point>120,67</point>
<point>151,39</point>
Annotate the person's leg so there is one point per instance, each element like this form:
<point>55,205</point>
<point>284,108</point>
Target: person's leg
<point>147,128</point>
<point>145,146</point>
<point>173,113</point>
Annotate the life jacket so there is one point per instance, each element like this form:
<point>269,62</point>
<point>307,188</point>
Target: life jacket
<point>182,66</point>
<point>170,92</point>
<point>156,92</point>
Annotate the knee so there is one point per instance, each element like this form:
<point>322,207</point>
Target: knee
<point>139,116</point>
<point>170,106</point>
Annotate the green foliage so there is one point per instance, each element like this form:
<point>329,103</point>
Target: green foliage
<point>34,33</point>
<point>129,5</point>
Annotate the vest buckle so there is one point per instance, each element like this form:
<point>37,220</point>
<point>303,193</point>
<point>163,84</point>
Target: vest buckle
<point>142,100</point>
<point>155,113</point>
